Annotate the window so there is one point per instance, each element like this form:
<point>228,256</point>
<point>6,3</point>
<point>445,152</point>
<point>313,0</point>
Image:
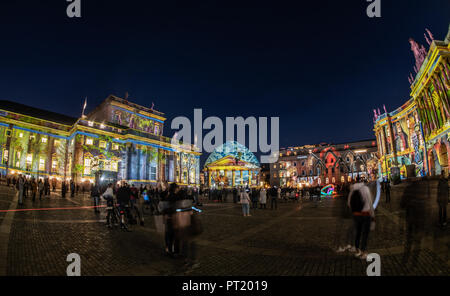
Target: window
<point>274,166</point>
<point>8,133</point>
<point>44,140</point>
<point>41,164</point>
<point>90,123</point>
<point>89,141</point>
<point>18,159</point>
<point>348,159</point>
<point>87,166</point>
<point>20,135</point>
<point>303,163</point>
<point>54,166</point>
<point>114,166</point>
<point>303,173</point>
<point>102,144</point>
<point>5,156</point>
<point>56,143</point>
<point>29,159</point>
<point>153,172</point>
<point>115,146</point>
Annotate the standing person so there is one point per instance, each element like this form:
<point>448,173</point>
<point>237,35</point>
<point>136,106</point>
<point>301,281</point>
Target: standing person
<point>46,187</point>
<point>273,198</point>
<point>169,196</point>
<point>21,183</point>
<point>95,194</point>
<point>53,185</point>
<point>245,201</point>
<point>387,191</point>
<point>40,188</point>
<point>442,199</point>
<point>254,195</point>
<point>262,198</point>
<point>72,188</point>
<point>360,203</point>
<point>63,189</point>
<point>235,195</point>
<point>33,188</point>
<point>108,195</point>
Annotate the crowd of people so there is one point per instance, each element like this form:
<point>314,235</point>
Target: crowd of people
<point>29,187</point>
<point>170,203</point>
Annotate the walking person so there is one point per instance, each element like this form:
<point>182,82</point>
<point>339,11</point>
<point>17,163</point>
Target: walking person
<point>360,203</point>
<point>245,201</point>
<point>262,198</point>
<point>442,199</point>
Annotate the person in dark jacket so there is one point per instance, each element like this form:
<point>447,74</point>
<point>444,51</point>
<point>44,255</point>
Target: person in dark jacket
<point>95,194</point>
<point>442,199</point>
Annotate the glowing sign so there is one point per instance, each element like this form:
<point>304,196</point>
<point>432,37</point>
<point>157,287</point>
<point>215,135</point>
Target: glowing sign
<point>327,190</point>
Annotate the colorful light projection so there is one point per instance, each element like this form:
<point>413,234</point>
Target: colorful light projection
<point>327,191</point>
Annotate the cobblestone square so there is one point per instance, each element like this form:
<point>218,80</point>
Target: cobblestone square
<point>299,238</point>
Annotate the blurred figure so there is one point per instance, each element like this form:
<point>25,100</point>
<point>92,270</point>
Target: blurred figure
<point>21,183</point>
<point>262,198</point>
<point>360,203</point>
<point>347,242</point>
<point>387,191</point>
<point>169,198</point>
<point>413,201</point>
<point>33,188</point>
<point>442,199</point>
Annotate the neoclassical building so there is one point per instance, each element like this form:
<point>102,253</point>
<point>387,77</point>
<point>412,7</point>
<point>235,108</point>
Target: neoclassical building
<point>414,139</point>
<point>324,164</point>
<point>118,140</point>
<point>231,165</point>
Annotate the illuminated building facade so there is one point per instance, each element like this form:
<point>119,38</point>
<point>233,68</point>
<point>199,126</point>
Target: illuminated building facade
<point>400,142</point>
<point>231,165</point>
<point>118,140</point>
<point>417,134</point>
<point>324,164</point>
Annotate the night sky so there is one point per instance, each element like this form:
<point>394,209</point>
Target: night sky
<point>320,66</point>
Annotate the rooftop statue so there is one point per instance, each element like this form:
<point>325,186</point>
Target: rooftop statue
<point>429,41</point>
<point>419,53</point>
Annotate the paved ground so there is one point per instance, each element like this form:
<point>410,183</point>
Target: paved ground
<point>296,239</point>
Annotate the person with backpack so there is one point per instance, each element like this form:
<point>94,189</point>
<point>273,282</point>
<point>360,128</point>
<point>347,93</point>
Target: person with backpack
<point>360,203</point>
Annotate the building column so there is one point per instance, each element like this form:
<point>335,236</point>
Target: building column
<point>209,178</point>
<point>233,177</point>
<point>250,177</point>
<point>242,177</point>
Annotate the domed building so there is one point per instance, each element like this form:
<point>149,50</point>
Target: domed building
<point>232,165</point>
